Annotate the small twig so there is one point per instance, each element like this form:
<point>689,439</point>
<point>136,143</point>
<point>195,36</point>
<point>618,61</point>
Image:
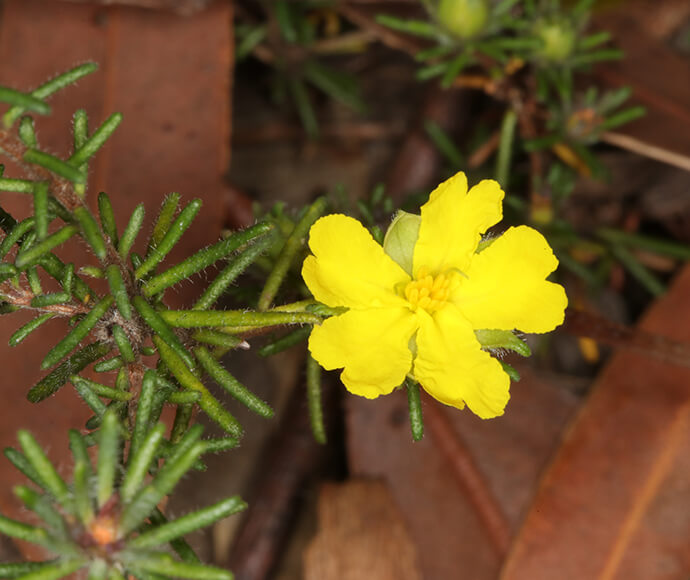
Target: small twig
<point>484,151</point>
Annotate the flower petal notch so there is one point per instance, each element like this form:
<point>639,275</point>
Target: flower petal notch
<point>431,303</point>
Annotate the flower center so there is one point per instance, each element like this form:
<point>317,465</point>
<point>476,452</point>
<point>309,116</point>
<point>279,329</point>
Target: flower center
<point>428,292</point>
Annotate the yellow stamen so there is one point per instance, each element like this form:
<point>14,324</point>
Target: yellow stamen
<point>428,292</point>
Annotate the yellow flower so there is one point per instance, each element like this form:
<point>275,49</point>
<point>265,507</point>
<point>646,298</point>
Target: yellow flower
<point>417,314</point>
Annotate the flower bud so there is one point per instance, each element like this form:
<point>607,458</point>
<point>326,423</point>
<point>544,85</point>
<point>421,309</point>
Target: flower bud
<point>463,18</point>
<point>401,238</point>
<point>558,40</point>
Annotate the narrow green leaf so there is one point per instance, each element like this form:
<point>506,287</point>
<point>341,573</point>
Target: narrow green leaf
<point>46,300</point>
<point>208,402</point>
<point>622,118</point>
<point>52,382</point>
<point>293,244</point>
<point>285,20</point>
<point>26,101</point>
<point>183,397</point>
<point>109,364</point>
<point>337,85</point>
<point>414,403</point>
<point>78,333</point>
<point>27,132</point>
<point>104,390</point>
<point>217,338</point>
<point>47,472</point>
<point>32,255</point>
<point>92,271</point>
<point>658,246</point>
<point>16,235</point>
<point>129,235</point>
<point>181,547</point>
<point>123,343</point>
<point>314,400</point>
<point>96,141</point>
<point>80,128</point>
<point>230,273</point>
<point>107,216</point>
<point>119,290</point>
<point>56,268</point>
<point>188,523</point>
<point>164,219</point>
<point>91,231</point>
<point>22,531</point>
<point>165,565</point>
<point>183,415</point>
<point>171,237</point>
<point>250,41</point>
<point>444,143</point>
<point>505,147</point>
<point>54,165</point>
<point>639,271</point>
<point>17,185</point>
<point>60,569</point>
<point>80,451</point>
<point>510,371</point>
<point>143,414</point>
<point>221,444</point>
<point>231,384</point>
<point>159,325</point>
<point>98,570</point>
<point>89,395</point>
<point>454,68</point>
<point>21,569</point>
<point>42,505</point>
<point>597,56</point>
<point>148,498</point>
<point>589,42</point>
<point>22,464</point>
<point>219,318</point>
<point>203,258</point>
<point>108,457</point>
<point>68,279</point>
<point>140,462</point>
<point>28,328</point>
<point>82,499</point>
<point>415,27</point>
<point>35,283</point>
<point>431,71</point>
<point>46,89</point>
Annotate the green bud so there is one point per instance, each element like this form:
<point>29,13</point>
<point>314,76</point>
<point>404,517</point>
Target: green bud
<point>464,18</point>
<point>401,238</point>
<point>558,40</point>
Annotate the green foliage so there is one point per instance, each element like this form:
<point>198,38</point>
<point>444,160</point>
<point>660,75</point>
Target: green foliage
<point>110,508</point>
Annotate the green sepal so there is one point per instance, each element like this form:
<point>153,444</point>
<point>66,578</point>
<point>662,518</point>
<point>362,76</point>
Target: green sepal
<point>492,339</point>
<point>401,238</point>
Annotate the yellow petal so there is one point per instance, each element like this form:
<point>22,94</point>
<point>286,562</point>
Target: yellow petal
<point>506,288</point>
<point>452,368</point>
<point>453,221</point>
<point>349,268</point>
<point>371,345</point>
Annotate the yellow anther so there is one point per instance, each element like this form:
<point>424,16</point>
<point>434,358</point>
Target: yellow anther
<point>428,292</point>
